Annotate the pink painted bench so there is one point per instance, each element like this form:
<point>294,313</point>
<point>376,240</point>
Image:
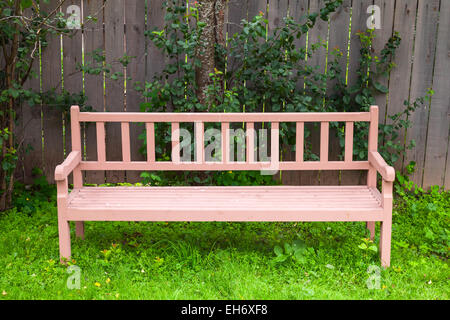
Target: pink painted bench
<point>255,203</point>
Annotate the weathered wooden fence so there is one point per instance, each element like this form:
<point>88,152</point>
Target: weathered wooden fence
<point>423,61</point>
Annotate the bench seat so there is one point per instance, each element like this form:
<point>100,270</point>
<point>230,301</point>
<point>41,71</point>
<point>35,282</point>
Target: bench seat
<point>255,203</point>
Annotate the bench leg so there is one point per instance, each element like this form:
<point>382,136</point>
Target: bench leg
<point>385,242</point>
<point>79,229</point>
<point>64,240</point>
<point>371,226</point>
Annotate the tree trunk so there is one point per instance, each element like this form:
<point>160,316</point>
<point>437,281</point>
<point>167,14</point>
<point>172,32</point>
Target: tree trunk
<point>211,12</point>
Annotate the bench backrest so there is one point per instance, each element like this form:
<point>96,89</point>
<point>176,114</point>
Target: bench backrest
<point>199,119</point>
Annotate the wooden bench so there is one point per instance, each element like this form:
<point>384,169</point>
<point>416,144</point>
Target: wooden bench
<point>255,203</point>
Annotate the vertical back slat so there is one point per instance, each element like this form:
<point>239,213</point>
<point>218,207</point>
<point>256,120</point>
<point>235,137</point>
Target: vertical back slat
<point>324,137</point>
<point>76,142</point>
<point>199,142</point>
<point>299,143</point>
<point>275,143</point>
<point>373,129</point>
<point>126,156</point>
<point>150,128</point>
<point>101,149</point>
<point>373,144</point>
<point>175,142</point>
<point>225,142</point>
<point>348,141</point>
<point>250,142</point>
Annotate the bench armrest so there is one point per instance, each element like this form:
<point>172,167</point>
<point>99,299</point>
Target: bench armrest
<point>377,161</point>
<point>64,169</point>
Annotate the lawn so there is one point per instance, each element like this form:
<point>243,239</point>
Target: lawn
<point>144,260</point>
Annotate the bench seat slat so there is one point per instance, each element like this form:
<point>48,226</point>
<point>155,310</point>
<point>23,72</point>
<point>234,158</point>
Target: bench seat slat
<point>284,203</point>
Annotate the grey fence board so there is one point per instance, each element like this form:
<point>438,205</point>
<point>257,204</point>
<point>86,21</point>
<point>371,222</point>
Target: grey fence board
<point>436,171</point>
<point>93,84</point>
<point>53,150</point>
<point>387,8</point>
<point>404,23</point>
<point>421,80</point>
<point>135,47</point>
<point>72,76</point>
<point>114,49</point>
<point>155,20</point>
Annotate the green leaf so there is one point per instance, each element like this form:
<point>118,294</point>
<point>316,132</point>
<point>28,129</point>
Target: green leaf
<point>278,250</point>
<point>26,3</point>
<point>380,87</point>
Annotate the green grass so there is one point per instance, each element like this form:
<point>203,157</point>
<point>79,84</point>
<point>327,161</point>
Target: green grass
<point>143,260</point>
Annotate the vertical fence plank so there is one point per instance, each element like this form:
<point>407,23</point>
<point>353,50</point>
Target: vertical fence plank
<point>421,80</point>
<point>155,20</point>
<point>436,171</point>
<point>339,38</point>
<point>381,38</point>
<point>315,35</point>
<point>298,9</point>
<point>19,174</point>
<point>93,84</point>
<point>32,127</point>
<point>237,10</point>
<point>358,24</point>
<point>114,89</point>
<point>135,47</point>
<point>254,7</point>
<point>318,34</point>
<point>404,22</point>
<point>73,78</point>
<point>278,10</point>
<point>53,150</point>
